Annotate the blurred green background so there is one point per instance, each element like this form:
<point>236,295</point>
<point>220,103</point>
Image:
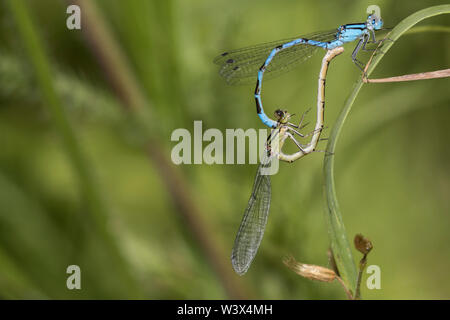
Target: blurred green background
<point>140,227</point>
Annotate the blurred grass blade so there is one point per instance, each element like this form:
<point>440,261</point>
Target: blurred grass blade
<point>339,242</point>
<point>110,54</point>
<point>24,274</point>
<point>14,283</point>
<point>97,213</point>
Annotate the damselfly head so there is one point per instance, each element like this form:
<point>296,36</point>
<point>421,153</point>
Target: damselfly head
<point>374,22</point>
<point>282,115</point>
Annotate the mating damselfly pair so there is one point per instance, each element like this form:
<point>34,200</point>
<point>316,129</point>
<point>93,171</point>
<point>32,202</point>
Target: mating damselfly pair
<point>271,59</point>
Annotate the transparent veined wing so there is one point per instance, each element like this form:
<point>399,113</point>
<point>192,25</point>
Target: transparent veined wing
<point>254,222</point>
<point>241,66</point>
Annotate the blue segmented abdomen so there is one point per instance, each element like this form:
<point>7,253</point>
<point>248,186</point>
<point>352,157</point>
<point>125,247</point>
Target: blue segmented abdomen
<point>270,59</point>
<point>296,42</point>
<point>267,121</point>
<point>240,66</point>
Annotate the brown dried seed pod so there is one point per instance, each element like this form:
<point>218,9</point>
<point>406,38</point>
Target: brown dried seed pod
<point>362,244</point>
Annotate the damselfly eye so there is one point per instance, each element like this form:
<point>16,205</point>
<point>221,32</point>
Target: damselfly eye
<point>279,113</point>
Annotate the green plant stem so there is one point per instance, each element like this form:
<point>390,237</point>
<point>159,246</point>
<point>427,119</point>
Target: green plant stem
<point>97,212</point>
<point>362,265</point>
<point>430,28</point>
<point>339,242</point>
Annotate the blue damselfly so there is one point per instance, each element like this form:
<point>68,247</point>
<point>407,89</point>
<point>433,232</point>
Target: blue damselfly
<point>271,59</point>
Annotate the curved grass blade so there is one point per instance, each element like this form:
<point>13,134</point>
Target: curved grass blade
<point>241,66</point>
<point>339,243</point>
<point>254,222</point>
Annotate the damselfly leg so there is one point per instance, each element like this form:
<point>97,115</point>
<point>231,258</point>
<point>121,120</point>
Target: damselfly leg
<point>300,126</point>
<point>300,146</point>
<point>361,44</point>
